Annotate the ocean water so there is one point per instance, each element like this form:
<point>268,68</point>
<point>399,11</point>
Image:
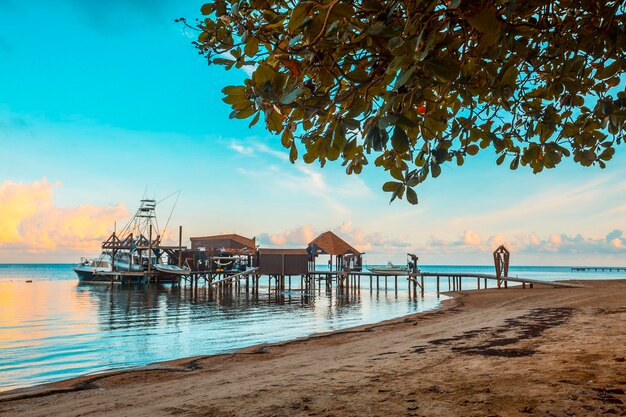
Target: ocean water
<point>53,328</point>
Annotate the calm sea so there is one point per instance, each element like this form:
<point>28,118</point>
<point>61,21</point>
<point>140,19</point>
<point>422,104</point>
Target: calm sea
<point>53,328</point>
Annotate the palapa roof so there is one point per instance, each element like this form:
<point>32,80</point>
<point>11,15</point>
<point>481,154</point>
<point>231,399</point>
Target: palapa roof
<point>247,242</point>
<point>331,244</point>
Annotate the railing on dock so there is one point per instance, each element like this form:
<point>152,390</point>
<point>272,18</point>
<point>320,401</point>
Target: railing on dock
<point>455,281</point>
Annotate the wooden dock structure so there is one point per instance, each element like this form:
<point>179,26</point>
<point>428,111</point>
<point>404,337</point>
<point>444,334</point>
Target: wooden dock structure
<point>227,262</point>
<point>599,269</point>
<point>342,281</point>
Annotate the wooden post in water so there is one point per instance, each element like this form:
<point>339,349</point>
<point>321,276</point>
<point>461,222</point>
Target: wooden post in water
<point>180,245</point>
<point>149,252</point>
<point>437,284</point>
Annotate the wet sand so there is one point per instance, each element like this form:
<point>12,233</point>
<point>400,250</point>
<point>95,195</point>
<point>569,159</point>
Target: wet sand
<point>514,352</point>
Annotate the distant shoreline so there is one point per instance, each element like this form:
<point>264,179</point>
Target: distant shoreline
<point>560,348</point>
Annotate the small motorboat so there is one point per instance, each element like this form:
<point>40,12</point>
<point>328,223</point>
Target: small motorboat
<point>91,270</point>
<point>172,269</point>
<point>389,269</point>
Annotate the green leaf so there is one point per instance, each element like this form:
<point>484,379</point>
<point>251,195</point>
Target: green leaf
<point>252,47</point>
<point>510,76</point>
<point>359,75</point>
<point>206,9</point>
<point>399,140</point>
<point>391,186</point>
<point>411,196</point>
<point>486,20</point>
<point>444,69</point>
<point>297,16</point>
<point>472,149</point>
<point>435,170</point>
<point>397,173</point>
<point>404,76</point>
<point>255,119</point>
<point>273,120</point>
<point>293,153</point>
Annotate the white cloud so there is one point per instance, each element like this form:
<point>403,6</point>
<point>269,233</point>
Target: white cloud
<point>299,178</point>
<point>471,238</point>
<point>239,148</point>
<point>379,245</point>
<point>554,244</point>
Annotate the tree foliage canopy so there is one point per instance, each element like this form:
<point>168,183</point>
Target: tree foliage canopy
<point>413,84</point>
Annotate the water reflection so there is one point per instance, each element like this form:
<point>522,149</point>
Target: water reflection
<point>55,329</point>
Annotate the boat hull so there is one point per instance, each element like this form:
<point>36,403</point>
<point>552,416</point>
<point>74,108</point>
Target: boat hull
<point>90,275</point>
<point>387,271</point>
<point>171,269</point>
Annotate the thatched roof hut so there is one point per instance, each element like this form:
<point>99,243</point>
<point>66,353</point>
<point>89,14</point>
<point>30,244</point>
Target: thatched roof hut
<point>329,243</point>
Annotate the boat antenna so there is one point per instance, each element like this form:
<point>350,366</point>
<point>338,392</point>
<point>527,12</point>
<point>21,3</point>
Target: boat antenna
<point>172,211</point>
<point>165,198</point>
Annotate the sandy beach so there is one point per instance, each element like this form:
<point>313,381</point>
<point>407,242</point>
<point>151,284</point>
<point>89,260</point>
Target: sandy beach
<point>515,352</point>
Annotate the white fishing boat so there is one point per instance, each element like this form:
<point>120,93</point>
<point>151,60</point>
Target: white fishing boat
<point>133,251</point>
<point>94,270</point>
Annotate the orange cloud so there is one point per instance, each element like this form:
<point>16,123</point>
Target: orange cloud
<point>297,237</point>
<point>29,220</point>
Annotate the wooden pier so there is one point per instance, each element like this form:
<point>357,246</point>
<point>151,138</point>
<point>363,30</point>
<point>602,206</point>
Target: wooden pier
<point>347,282</point>
<point>599,269</point>
<point>227,262</point>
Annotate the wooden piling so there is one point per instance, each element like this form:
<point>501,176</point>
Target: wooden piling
<point>180,245</point>
<point>149,252</point>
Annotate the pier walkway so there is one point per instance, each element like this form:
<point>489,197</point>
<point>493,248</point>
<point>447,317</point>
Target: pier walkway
<point>342,280</point>
<point>599,269</point>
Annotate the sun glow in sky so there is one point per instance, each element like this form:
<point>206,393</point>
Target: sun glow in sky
<point>100,99</point>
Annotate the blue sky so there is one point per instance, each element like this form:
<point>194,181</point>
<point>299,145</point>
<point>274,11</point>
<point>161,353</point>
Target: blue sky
<point>98,100</point>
